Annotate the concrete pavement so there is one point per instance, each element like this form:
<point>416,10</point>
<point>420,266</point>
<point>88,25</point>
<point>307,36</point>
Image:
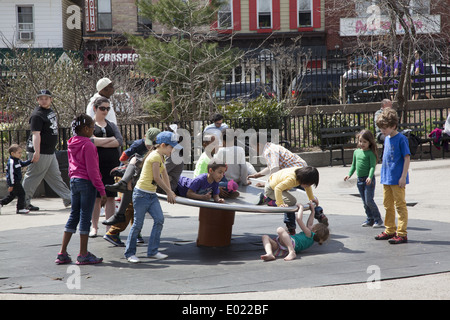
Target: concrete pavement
<point>341,269</point>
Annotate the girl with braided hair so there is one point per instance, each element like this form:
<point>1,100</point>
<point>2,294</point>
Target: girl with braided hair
<point>85,179</point>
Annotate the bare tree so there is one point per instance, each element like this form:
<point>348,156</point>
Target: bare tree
<point>71,84</point>
<point>384,35</point>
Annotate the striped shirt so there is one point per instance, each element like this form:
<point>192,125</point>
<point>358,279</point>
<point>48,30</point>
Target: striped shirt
<point>279,157</point>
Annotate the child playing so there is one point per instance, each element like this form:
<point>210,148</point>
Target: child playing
<point>14,179</point>
<point>85,178</point>
<point>293,244</point>
<point>283,180</point>
<point>364,162</point>
<point>153,174</point>
<point>205,185</point>
<point>209,145</point>
<point>394,178</point>
<point>234,157</point>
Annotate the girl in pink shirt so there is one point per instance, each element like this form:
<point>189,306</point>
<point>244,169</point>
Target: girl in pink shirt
<point>85,178</point>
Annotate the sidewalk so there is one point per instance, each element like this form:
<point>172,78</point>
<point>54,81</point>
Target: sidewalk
<point>336,270</point>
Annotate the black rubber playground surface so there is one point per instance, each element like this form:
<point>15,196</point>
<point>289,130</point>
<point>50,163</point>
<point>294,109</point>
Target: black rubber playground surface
<point>350,256</point>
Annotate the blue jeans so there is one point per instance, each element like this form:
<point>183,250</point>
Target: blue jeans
<point>145,202</point>
<point>83,195</point>
<point>367,193</point>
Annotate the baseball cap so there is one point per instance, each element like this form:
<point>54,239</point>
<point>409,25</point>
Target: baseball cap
<point>168,137</point>
<point>44,92</point>
<point>150,136</point>
<point>103,83</point>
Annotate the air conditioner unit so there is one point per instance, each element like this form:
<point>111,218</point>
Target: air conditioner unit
<point>25,35</point>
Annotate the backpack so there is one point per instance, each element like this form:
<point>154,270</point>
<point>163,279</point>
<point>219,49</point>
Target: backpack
<point>413,141</point>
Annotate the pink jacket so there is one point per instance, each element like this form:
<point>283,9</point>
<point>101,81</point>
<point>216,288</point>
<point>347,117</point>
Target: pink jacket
<point>83,161</point>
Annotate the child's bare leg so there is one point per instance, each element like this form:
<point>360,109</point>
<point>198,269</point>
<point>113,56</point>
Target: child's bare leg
<point>65,242</point>
<point>269,246</point>
<point>285,240</point>
<point>84,244</point>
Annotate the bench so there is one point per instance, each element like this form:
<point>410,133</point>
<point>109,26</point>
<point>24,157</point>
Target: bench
<point>417,129</point>
<point>338,138</point>
<point>444,138</point>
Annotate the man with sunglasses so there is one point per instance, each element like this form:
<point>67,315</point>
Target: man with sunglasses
<point>105,88</point>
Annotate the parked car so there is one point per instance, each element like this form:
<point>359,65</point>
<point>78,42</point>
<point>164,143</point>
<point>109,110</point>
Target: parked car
<point>316,87</point>
<point>244,91</point>
<point>438,85</point>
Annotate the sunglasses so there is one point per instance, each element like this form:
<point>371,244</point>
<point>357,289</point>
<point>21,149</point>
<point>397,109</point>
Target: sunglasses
<point>104,108</point>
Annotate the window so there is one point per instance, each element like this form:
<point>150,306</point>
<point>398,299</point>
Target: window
<point>361,8</point>
<point>418,7</point>
<point>304,13</point>
<point>104,15</point>
<point>144,23</point>
<point>264,14</point>
<point>225,16</point>
<point>25,24</point>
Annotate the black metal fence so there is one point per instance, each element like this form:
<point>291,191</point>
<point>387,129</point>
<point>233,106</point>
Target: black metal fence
<point>300,132</point>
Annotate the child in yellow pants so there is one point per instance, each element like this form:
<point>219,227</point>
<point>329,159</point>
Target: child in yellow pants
<point>394,178</point>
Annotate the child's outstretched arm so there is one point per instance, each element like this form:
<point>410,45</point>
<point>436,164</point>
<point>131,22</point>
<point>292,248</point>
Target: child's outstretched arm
<point>300,222</point>
<point>160,182</point>
<point>218,199</point>
<point>310,221</point>
<point>193,195</point>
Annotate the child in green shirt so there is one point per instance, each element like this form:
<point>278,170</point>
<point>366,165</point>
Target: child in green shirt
<point>209,149</point>
<point>364,162</point>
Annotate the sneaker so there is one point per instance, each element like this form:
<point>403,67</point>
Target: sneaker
<point>23,211</point>
<point>88,259</point>
<point>320,216</point>
<point>63,258</point>
<point>368,223</point>
<point>140,239</point>
<point>116,218</point>
<point>114,239</point>
<point>120,186</point>
<point>384,236</point>
<point>378,224</point>
<point>133,259</point>
<point>262,199</point>
<point>93,233</point>
<point>398,239</point>
<point>32,208</point>
<point>159,256</point>
<point>271,202</point>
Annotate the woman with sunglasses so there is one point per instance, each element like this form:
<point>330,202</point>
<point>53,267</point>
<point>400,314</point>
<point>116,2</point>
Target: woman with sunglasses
<point>108,140</point>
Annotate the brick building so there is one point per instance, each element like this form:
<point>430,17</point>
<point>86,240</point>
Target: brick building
<point>344,23</point>
<point>251,22</point>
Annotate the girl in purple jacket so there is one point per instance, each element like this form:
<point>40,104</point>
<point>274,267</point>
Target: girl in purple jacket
<point>85,178</point>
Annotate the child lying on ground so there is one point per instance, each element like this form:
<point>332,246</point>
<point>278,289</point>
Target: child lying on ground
<point>293,244</point>
<point>205,185</point>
